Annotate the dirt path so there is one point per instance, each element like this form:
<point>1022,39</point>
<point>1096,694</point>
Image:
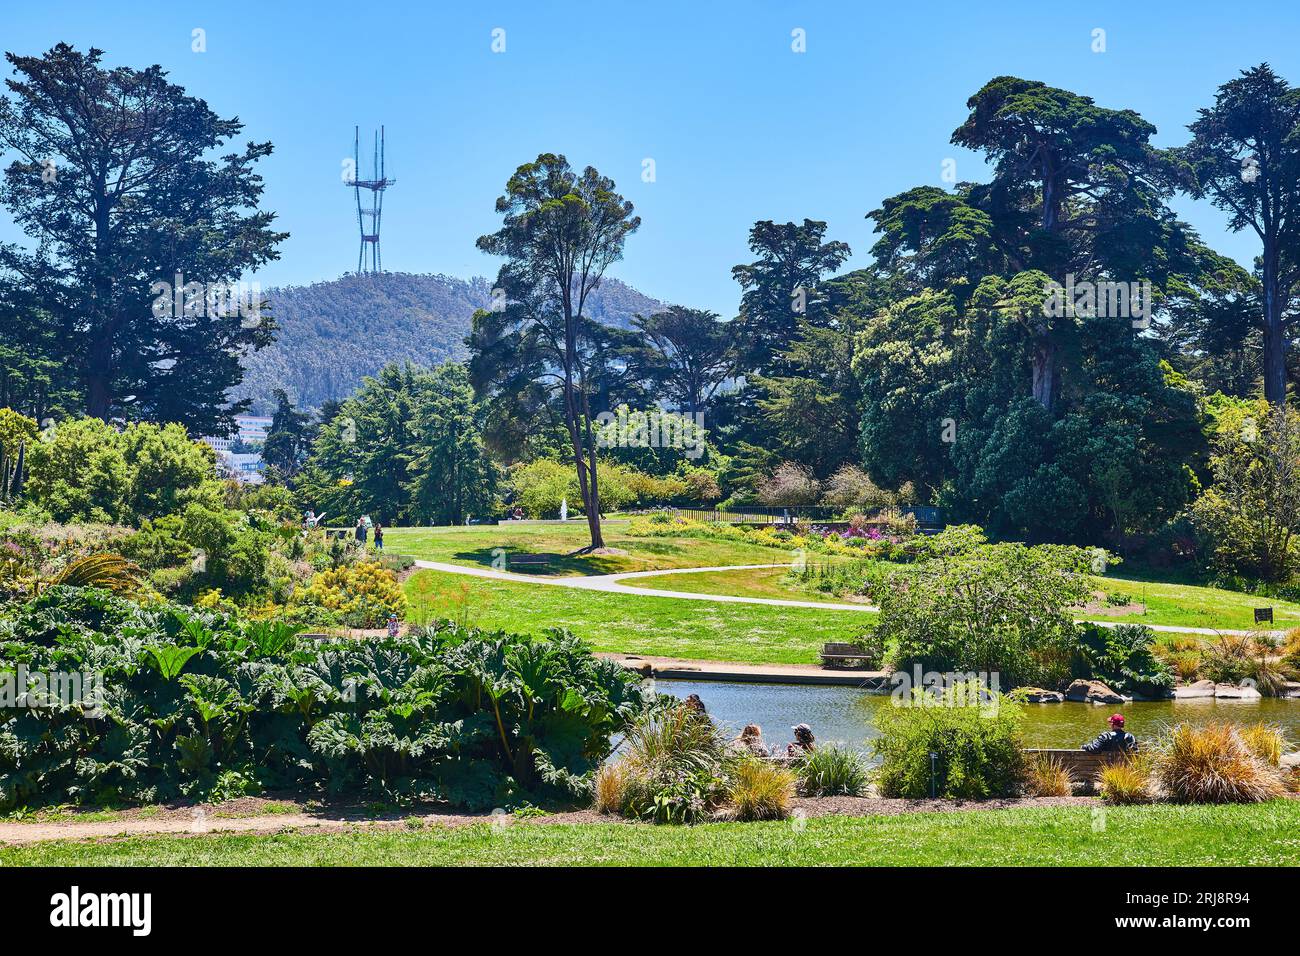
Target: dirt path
<point>202,821</point>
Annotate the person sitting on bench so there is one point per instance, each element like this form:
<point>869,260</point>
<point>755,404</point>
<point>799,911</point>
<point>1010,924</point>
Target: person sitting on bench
<point>1111,740</point>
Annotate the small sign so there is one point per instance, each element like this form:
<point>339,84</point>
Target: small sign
<point>1263,615</point>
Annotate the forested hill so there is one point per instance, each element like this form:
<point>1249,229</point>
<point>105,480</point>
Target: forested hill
<point>333,333</point>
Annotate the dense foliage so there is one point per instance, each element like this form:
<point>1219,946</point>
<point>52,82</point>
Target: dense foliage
<point>200,703</point>
<point>407,448</point>
<point>973,732</point>
<point>998,608</point>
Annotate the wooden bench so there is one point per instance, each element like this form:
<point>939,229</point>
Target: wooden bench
<point>1084,767</point>
<point>844,655</point>
<point>528,560</point>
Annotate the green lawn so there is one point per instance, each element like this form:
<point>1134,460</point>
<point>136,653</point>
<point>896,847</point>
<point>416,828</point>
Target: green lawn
<point>475,545</point>
<point>1179,605</point>
<point>667,627</point>
<point>1261,835</point>
<point>710,631</point>
<point>753,582</point>
<point>1187,605</point>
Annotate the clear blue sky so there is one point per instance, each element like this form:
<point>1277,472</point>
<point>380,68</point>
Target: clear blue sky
<point>740,127</point>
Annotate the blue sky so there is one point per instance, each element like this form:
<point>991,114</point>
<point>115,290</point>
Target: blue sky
<point>739,126</point>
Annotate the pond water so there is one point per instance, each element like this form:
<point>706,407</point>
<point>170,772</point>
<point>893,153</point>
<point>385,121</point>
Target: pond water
<point>844,714</point>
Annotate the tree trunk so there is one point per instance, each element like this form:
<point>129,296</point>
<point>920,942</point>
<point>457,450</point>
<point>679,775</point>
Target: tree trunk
<point>99,360</point>
<point>592,503</point>
<point>1045,379</point>
<point>1274,332</point>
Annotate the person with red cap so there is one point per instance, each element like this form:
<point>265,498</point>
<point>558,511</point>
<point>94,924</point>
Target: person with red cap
<point>1114,739</point>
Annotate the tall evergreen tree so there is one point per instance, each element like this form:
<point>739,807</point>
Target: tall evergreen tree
<point>1245,157</point>
<point>114,184</point>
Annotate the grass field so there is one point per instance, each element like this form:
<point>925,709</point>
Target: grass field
<point>1177,605</point>
<point>702,630</point>
<point>1259,835</point>
<point>1186,605</point>
<point>477,546</point>
<point>668,627</point>
<point>752,582</point>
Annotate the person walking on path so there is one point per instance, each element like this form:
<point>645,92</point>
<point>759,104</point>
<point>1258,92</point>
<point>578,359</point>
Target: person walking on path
<point>379,537</point>
<point>361,533</point>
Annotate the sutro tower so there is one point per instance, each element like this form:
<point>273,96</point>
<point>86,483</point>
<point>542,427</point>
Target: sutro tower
<point>368,219</point>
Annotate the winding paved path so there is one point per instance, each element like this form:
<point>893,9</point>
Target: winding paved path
<point>613,584</point>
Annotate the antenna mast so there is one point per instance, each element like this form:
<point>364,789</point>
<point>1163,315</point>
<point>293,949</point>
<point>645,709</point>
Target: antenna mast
<point>368,219</point>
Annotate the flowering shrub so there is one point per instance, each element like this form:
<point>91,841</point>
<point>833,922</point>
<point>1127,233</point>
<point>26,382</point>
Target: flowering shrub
<point>362,594</point>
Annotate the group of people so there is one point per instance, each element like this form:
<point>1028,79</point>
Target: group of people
<point>751,742</point>
<point>364,525</point>
<point>361,532</point>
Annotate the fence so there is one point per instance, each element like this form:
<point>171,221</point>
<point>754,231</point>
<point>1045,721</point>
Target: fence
<point>926,517</point>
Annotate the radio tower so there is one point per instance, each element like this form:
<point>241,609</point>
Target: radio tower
<point>368,219</point>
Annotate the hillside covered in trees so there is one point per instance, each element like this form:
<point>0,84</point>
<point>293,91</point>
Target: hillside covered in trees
<point>333,333</point>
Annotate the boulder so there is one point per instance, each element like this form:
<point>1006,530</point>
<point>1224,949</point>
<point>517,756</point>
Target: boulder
<point>1233,692</point>
<point>1202,688</point>
<point>1093,692</point>
<point>1036,695</point>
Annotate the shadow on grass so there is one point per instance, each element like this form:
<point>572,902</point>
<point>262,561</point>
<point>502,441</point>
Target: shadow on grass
<point>584,564</point>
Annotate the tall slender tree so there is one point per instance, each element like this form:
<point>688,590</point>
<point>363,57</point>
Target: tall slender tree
<point>560,231</point>
<point>1245,157</point>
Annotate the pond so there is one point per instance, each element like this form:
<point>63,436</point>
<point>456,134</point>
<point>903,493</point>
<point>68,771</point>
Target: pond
<point>844,714</point>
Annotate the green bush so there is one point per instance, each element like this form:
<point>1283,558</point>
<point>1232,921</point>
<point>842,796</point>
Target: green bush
<point>471,718</point>
<point>1123,658</point>
<point>672,769</point>
<point>87,470</point>
<point>975,735</point>
<point>996,608</point>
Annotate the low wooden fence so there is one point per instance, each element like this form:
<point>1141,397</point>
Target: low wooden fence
<point>926,517</point>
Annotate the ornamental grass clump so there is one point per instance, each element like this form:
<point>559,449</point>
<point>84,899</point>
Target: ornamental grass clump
<point>1265,741</point>
<point>759,789</point>
<point>1127,782</point>
<point>1214,764</point>
<point>833,772</point>
<point>1047,777</point>
<point>673,767</point>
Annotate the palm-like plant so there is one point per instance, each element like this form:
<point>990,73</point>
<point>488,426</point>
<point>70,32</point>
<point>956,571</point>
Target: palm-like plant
<point>105,570</point>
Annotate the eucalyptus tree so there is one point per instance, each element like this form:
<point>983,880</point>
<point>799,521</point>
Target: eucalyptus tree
<point>560,231</point>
